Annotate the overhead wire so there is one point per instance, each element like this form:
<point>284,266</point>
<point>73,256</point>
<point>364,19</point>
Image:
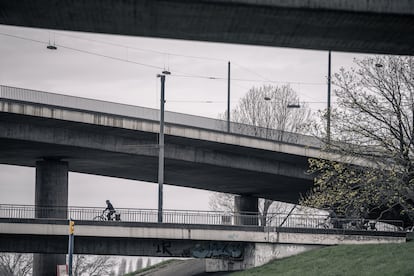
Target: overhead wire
<point>209,77</point>
<point>87,52</point>
<point>142,49</point>
<point>264,79</point>
<point>209,101</point>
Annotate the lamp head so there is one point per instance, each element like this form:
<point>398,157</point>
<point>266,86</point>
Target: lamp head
<point>51,47</point>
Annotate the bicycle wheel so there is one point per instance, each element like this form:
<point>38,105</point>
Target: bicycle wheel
<point>99,218</point>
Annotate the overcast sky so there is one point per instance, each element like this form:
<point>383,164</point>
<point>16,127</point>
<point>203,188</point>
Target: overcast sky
<point>123,69</point>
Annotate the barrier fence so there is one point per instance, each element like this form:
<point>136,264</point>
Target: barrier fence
<point>279,220</point>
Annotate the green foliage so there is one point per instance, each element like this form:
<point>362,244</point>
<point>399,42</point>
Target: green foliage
<point>354,191</point>
<point>372,127</point>
<point>384,259</point>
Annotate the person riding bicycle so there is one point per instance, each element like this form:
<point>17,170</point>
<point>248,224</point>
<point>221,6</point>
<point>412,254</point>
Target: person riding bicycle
<point>110,209</point>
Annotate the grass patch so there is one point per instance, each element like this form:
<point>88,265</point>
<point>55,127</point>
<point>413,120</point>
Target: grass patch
<point>379,259</point>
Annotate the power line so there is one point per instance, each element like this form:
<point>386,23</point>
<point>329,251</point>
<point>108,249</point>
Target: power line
<point>245,80</point>
<point>141,49</point>
<point>161,68</point>
<point>113,58</point>
<point>210,101</point>
<point>86,52</point>
<point>251,71</point>
<point>194,57</point>
<point>189,101</point>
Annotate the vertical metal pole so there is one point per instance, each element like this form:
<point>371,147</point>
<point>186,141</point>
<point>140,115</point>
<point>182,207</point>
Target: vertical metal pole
<point>328,111</point>
<point>71,241</point>
<point>161,152</point>
<point>228,97</point>
<point>70,246</point>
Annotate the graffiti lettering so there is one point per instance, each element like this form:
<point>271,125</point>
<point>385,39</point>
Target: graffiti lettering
<point>163,247</point>
<point>217,249</point>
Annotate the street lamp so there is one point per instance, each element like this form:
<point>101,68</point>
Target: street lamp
<point>328,109</point>
<point>161,146</point>
<point>51,47</point>
<point>290,105</point>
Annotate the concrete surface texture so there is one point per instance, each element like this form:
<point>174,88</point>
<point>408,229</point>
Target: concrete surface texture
<point>113,145</point>
<point>373,26</point>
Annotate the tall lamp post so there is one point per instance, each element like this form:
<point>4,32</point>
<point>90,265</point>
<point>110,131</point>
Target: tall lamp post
<point>161,146</point>
<point>328,110</point>
<point>228,96</point>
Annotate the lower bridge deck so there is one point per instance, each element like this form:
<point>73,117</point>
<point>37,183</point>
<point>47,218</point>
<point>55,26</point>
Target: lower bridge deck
<point>169,239</point>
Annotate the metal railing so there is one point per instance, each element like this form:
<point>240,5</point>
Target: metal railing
<point>273,220</point>
<point>151,114</point>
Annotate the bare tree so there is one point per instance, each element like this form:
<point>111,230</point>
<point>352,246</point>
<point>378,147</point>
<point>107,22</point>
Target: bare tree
<point>221,202</point>
<point>93,265</point>
<point>16,264</point>
<point>373,121</point>
<point>225,203</point>
<point>267,110</point>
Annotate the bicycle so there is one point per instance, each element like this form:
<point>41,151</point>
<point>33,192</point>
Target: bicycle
<point>104,217</point>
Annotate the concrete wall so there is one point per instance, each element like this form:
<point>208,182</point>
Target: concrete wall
<point>171,240</point>
<point>220,248</point>
<point>263,253</point>
<point>179,268</point>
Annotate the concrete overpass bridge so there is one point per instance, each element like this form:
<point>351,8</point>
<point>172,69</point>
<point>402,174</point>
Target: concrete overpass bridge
<point>368,26</point>
<point>40,129</point>
<point>379,26</point>
<point>217,237</point>
<point>57,134</point>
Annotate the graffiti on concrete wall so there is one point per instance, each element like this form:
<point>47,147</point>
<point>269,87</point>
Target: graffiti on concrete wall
<point>218,250</point>
<point>163,248</point>
<point>198,249</point>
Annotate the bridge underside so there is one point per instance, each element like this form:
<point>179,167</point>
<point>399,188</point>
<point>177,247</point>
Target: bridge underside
<point>107,245</point>
<point>167,240</point>
<point>189,163</point>
<point>353,26</point>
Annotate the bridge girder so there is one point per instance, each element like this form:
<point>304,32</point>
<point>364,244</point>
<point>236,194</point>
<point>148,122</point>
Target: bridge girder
<point>380,26</point>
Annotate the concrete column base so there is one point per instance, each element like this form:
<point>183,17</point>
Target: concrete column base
<point>246,210</point>
<point>46,264</point>
<point>51,201</point>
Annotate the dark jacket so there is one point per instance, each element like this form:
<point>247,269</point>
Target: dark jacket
<point>109,207</point>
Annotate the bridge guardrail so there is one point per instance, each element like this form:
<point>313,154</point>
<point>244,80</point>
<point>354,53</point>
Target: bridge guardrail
<point>272,220</point>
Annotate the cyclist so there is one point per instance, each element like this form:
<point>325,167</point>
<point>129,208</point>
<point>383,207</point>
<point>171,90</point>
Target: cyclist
<point>110,209</point>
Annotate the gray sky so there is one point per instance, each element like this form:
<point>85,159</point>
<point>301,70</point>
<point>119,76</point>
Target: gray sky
<point>123,69</point>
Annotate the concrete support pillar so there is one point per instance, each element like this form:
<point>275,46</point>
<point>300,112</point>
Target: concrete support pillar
<point>51,201</point>
<point>247,210</point>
